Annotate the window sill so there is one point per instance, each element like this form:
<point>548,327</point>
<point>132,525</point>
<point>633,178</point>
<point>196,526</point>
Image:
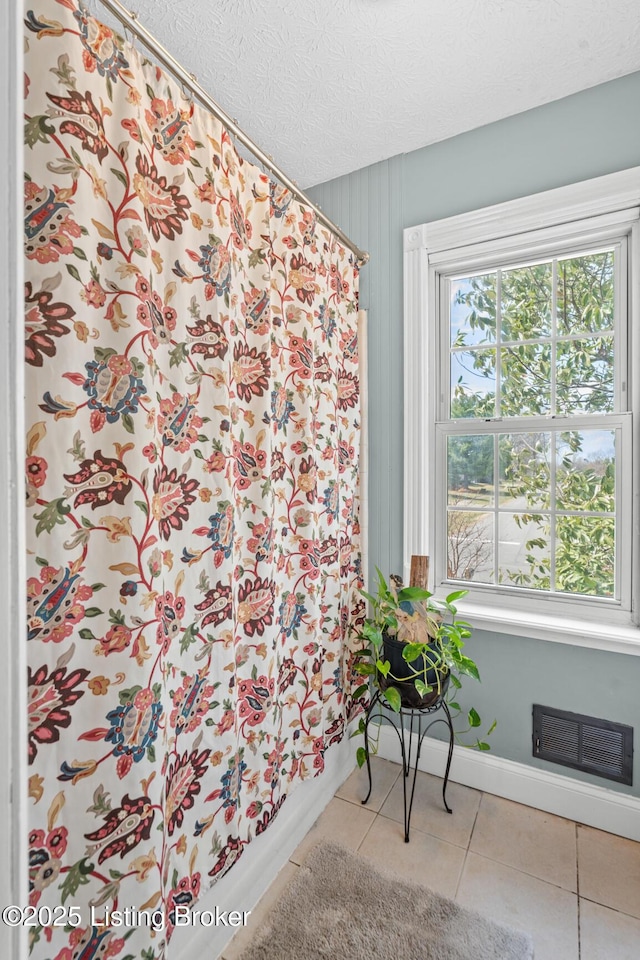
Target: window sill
<point>614,637</point>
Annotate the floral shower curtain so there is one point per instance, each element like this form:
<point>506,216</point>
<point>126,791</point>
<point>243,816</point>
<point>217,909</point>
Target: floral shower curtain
<point>192,478</point>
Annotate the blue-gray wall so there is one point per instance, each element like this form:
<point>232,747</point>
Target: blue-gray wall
<point>586,135</point>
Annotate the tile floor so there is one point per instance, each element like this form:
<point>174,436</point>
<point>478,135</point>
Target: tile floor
<point>575,889</point>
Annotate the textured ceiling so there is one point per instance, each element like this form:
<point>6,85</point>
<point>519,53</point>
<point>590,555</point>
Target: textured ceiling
<point>329,86</point>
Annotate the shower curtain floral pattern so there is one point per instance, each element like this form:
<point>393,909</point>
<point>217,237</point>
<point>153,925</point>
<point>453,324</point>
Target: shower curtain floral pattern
<point>192,481</point>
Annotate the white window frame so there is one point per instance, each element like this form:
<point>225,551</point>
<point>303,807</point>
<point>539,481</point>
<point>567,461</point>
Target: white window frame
<point>593,211</point>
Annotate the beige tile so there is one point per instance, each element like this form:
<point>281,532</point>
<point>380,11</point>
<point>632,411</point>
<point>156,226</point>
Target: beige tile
<point>547,912</point>
<point>342,822</point>
<point>606,934</point>
<point>609,870</point>
<point>245,935</point>
<point>424,859</point>
<point>530,840</point>
<point>384,774</point>
<point>428,813</point>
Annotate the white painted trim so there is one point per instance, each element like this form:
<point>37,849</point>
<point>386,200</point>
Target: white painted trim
<point>13,689</point>
<point>610,635</point>
<point>535,244</point>
<point>363,373</point>
<point>417,429</point>
<point>577,201</point>
<point>586,803</point>
<point>265,856</point>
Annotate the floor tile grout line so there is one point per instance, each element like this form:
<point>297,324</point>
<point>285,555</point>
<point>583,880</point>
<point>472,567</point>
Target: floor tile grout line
<point>468,847</point>
<point>424,833</point>
<point>607,906</point>
<point>509,865</point>
<point>359,803</point>
<point>525,873</point>
<point>464,863</point>
<point>391,788</point>
<point>387,794</point>
<point>475,820</point>
<point>367,832</point>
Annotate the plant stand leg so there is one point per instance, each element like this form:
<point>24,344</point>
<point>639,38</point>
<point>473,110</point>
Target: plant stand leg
<point>374,701</point>
<point>407,767</point>
<point>446,774</point>
<point>408,761</point>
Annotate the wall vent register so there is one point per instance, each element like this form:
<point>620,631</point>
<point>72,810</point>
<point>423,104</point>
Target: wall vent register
<point>576,740</point>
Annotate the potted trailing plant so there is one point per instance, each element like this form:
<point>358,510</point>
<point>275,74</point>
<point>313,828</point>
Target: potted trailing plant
<point>413,652</point>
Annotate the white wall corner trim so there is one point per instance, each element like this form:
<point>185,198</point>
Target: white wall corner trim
<point>587,803</point>
<point>13,689</point>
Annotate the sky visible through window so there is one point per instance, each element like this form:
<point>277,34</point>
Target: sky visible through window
<point>534,507</point>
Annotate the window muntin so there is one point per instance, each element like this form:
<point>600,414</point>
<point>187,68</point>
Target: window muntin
<point>534,431</point>
<point>535,339</point>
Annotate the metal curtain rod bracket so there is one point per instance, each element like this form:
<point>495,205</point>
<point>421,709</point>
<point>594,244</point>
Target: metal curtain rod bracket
<point>131,21</point>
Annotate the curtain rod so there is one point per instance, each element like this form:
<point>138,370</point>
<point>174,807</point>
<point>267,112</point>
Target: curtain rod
<point>130,20</point>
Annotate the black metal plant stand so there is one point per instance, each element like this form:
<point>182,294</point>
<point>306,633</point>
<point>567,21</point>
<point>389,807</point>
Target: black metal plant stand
<point>408,761</point>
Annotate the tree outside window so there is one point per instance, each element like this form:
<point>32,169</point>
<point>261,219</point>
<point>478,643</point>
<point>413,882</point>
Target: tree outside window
<point>533,432</point>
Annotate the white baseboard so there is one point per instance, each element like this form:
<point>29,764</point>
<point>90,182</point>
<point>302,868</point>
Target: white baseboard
<point>264,857</point>
<point>587,803</point>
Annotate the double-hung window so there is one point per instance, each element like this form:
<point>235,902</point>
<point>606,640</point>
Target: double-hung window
<point>520,471</point>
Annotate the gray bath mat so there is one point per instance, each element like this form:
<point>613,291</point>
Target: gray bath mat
<point>340,907</point>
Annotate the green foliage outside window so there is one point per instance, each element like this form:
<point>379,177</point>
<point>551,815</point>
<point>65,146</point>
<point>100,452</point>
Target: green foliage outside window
<point>534,341</point>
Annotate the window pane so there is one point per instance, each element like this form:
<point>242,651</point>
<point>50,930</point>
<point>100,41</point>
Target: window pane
<point>585,293</point>
<point>470,538</point>
<point>524,556</point>
<point>526,302</point>
<point>530,503</point>
<point>584,375</point>
<point>525,380</point>
<point>473,383</point>
<point>525,472</point>
<point>473,310</point>
<point>470,471</point>
<point>585,471</point>
<point>585,555</point>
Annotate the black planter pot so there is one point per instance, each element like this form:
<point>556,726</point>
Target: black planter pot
<point>404,675</point>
